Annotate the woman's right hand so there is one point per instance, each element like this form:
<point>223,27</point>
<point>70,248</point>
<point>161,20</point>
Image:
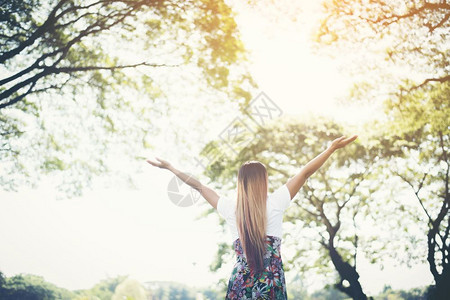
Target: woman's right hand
<point>342,142</point>
<point>163,164</point>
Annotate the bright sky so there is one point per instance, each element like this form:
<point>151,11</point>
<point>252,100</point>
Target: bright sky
<point>116,231</point>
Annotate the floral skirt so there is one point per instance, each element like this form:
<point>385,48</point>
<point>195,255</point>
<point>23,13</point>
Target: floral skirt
<point>270,284</point>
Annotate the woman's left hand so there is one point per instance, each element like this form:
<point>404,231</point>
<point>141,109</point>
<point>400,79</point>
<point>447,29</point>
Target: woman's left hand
<point>163,164</point>
<point>342,141</point>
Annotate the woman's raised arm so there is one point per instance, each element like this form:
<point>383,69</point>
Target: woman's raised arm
<point>210,195</point>
<point>295,183</point>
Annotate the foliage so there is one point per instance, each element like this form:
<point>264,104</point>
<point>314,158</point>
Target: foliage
<point>30,287</point>
<point>171,290</point>
<point>35,287</point>
<point>129,289</point>
<point>70,38</point>
<point>102,290</point>
<point>412,294</point>
<point>422,130</point>
<point>389,36</point>
<point>409,73</point>
<point>82,82</point>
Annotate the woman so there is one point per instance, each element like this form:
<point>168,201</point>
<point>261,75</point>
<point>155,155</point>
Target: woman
<point>255,219</point>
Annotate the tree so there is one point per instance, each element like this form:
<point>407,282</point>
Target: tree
<point>30,287</point>
<point>129,289</point>
<point>38,51</point>
<point>421,131</point>
<point>102,290</point>
<point>88,65</point>
<point>164,290</point>
<point>329,208</point>
<point>413,294</point>
<point>409,34</point>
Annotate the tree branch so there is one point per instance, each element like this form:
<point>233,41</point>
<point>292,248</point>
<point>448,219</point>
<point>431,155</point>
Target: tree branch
<point>92,68</point>
<point>310,212</point>
<point>431,28</point>
<point>428,80</point>
<point>20,97</point>
<point>388,20</point>
<point>430,220</point>
<point>30,81</point>
<point>34,36</point>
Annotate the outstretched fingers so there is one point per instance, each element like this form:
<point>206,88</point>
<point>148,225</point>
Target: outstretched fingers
<point>153,163</point>
<point>161,163</point>
<point>350,139</point>
<point>161,160</point>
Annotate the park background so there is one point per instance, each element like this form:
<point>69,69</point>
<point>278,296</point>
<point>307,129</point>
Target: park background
<point>82,215</point>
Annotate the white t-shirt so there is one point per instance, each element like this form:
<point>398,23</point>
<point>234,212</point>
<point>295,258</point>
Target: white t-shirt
<point>277,202</point>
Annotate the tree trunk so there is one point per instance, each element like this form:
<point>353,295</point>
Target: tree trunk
<point>442,289</point>
<point>347,272</point>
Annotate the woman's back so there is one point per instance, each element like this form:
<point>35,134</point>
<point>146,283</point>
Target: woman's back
<point>277,203</point>
<point>270,283</point>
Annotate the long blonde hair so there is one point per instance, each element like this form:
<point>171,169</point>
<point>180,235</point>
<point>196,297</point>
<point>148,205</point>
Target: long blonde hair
<point>251,212</point>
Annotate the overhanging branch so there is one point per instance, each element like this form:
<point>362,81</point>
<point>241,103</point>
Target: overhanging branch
<point>428,80</point>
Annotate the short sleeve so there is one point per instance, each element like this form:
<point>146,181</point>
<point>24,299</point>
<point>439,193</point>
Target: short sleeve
<point>225,207</point>
<point>280,198</point>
